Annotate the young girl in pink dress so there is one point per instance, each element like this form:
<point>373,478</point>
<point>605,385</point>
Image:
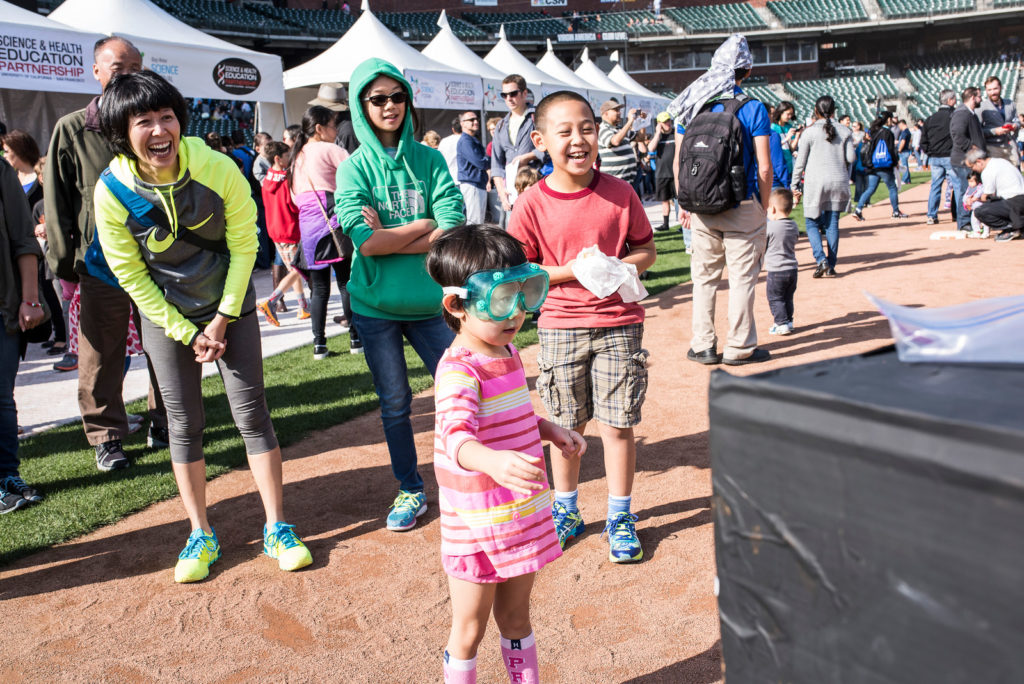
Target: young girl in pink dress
<point>496,525</point>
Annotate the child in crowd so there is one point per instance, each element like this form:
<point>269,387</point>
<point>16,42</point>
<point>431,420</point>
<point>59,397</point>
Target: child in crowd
<point>496,529</point>
<point>592,364</point>
<point>972,200</point>
<point>780,260</point>
<point>526,178</point>
<point>283,228</point>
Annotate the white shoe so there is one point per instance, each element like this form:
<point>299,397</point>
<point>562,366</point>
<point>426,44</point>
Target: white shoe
<point>783,329</point>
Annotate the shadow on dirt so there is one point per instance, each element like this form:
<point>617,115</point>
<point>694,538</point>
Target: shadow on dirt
<point>703,668</point>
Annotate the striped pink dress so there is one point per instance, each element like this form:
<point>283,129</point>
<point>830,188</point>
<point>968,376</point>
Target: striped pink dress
<point>487,400</point>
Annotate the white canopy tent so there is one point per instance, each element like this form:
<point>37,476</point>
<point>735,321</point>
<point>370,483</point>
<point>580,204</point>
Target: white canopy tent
<point>446,48</point>
<point>637,95</point>
<point>45,71</point>
<point>435,85</point>
<point>550,64</point>
<point>506,59</point>
<point>198,64</point>
<point>592,74</point>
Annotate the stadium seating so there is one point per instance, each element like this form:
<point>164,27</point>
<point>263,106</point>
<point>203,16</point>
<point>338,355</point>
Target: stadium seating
<point>922,8</point>
<point>817,12</point>
<point>635,23</point>
<point>525,25</point>
<point>717,18</point>
<point>211,14</point>
<point>763,93</point>
<point>321,23</point>
<point>930,76</point>
<point>854,95</point>
<point>423,25</point>
<point>1000,4</point>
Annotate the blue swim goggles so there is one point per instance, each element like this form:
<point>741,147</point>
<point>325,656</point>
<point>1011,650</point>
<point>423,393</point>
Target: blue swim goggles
<point>495,295</point>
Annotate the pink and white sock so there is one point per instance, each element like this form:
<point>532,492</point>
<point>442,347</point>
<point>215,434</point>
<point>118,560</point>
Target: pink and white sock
<point>520,657</point>
<point>459,671</point>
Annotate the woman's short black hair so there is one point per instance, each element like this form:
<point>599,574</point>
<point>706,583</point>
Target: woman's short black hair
<point>129,95</point>
<point>461,252</point>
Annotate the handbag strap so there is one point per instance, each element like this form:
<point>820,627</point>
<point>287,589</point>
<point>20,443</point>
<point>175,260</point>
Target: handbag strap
<point>319,202</point>
<point>146,214</point>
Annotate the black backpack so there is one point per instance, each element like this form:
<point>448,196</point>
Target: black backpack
<point>712,177</point>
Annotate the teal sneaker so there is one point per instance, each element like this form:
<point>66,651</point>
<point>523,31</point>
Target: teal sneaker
<point>622,539</point>
<point>568,524</point>
<point>281,543</point>
<point>406,507</point>
<point>200,552</point>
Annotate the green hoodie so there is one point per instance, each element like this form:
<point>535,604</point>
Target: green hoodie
<point>415,184</point>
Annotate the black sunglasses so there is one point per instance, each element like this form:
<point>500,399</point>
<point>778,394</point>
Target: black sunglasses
<point>380,100</point>
<point>511,93</point>
<point>470,120</point>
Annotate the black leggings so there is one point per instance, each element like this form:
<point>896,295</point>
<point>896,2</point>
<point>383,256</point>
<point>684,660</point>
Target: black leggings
<point>320,294</point>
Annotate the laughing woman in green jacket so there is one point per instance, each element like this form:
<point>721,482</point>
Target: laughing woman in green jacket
<point>187,263</point>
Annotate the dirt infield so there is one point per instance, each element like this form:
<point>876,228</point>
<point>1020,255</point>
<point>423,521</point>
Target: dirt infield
<point>374,606</point>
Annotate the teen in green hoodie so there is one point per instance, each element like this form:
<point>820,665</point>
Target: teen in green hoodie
<point>393,198</point>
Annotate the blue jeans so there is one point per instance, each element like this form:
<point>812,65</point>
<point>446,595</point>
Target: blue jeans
<point>8,411</point>
<point>885,176</point>
<point>385,355</point>
<point>941,170</point>
<point>963,216</point>
<point>905,165</point>
<point>829,222</point>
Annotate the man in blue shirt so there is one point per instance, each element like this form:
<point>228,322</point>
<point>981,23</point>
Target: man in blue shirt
<point>472,163</point>
<point>737,237</point>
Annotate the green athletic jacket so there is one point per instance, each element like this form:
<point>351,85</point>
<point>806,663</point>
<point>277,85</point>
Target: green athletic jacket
<point>415,184</point>
<point>176,284</point>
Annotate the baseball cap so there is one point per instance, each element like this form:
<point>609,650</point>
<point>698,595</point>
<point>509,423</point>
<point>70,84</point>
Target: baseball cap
<point>609,105</point>
<point>664,116</point>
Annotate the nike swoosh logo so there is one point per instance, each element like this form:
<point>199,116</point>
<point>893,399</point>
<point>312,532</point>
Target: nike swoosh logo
<point>157,246</point>
<point>201,223</point>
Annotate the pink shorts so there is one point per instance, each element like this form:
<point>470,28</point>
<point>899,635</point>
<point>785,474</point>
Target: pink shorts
<point>476,568</point>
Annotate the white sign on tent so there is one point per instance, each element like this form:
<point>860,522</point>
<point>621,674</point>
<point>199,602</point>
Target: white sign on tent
<point>34,58</point>
<point>438,90</point>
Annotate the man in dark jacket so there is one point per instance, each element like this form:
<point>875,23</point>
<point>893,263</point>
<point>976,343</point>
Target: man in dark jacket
<point>936,143</point>
<point>77,156</point>
<point>965,132</point>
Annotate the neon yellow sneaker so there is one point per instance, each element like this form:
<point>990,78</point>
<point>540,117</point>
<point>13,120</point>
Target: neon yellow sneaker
<point>280,542</point>
<point>200,552</point>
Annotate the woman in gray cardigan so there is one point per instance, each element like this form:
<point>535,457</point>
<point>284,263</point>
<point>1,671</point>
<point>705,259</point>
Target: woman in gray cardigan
<point>825,155</point>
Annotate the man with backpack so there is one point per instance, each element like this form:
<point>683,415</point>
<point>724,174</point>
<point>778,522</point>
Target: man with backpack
<point>724,177</point>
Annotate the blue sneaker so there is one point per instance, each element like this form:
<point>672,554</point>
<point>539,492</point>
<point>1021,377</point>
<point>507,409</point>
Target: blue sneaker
<point>568,524</point>
<point>622,539</point>
<point>281,543</point>
<point>406,507</point>
<point>200,552</point>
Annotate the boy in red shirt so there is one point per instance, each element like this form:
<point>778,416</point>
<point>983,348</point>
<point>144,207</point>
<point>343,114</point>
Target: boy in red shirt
<point>592,364</point>
<point>283,228</point>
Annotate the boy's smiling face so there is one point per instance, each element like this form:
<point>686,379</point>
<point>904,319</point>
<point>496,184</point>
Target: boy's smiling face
<point>568,133</point>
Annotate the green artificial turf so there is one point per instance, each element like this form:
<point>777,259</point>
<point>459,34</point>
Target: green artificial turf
<point>303,397</point>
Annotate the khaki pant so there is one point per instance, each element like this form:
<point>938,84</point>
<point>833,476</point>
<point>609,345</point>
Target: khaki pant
<point>735,239</point>
<point>102,341</point>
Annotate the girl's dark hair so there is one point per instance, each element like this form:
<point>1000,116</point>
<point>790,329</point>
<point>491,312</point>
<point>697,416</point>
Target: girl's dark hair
<point>825,108</point>
<point>313,117</point>
<point>461,252</point>
<point>410,109</point>
<point>880,121</point>
<point>780,109</point>
<point>975,175</point>
<point>23,145</point>
<point>129,95</point>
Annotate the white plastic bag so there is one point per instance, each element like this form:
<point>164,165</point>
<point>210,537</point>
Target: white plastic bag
<point>603,275</point>
<point>985,331</point>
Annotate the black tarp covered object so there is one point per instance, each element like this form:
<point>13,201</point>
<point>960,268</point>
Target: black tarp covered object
<point>869,522</point>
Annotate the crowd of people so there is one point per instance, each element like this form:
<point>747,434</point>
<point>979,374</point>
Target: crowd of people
<point>151,238</point>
